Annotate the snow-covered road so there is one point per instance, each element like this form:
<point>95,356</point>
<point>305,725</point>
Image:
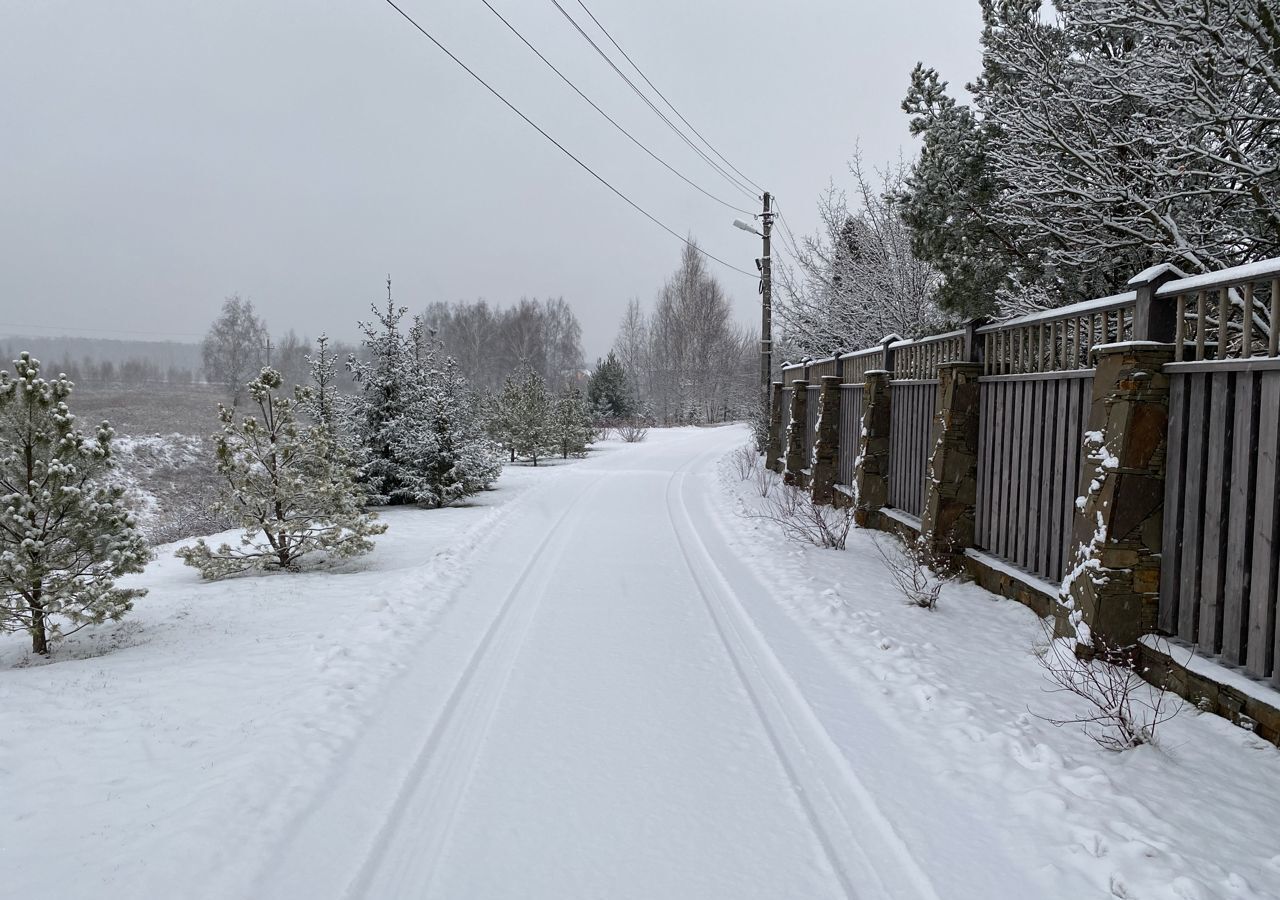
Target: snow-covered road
<point>598,681</point>
<point>614,727</point>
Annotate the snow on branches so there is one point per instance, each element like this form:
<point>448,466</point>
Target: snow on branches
<point>291,490</point>
<point>65,533</point>
<point>417,419</point>
<point>1108,136</point>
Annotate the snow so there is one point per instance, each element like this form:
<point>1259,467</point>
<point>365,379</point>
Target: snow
<point>1213,669</point>
<point>901,516</point>
<point>995,563</point>
<point>599,680</point>
<point>1256,271</point>
<point>1084,308</point>
<point>1151,273</point>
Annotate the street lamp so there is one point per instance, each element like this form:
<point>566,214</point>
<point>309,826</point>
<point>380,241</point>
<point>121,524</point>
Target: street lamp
<point>766,293</point>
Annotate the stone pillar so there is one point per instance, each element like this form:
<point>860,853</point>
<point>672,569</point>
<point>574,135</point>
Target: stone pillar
<point>773,452</point>
<point>794,448</point>
<point>951,492</point>
<point>872,473</point>
<point>826,445</point>
<point>1112,589</point>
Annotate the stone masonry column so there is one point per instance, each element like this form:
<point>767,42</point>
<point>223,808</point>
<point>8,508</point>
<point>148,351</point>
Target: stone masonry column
<point>773,451</point>
<point>826,446</point>
<point>794,448</point>
<point>872,473</point>
<point>951,491</point>
<point>1111,592</point>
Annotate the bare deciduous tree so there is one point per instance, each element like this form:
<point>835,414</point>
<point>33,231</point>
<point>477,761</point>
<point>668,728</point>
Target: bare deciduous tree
<point>235,347</point>
<point>857,280</point>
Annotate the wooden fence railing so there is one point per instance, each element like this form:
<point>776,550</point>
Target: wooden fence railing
<point>1199,367</point>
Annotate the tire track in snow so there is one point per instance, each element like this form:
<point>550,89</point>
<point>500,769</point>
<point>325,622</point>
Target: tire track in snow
<point>405,852</point>
<point>868,856</point>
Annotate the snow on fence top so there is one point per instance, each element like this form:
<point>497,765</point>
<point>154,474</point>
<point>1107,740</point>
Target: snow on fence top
<point>1232,314</point>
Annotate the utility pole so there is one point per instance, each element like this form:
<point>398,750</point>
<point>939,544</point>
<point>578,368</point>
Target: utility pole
<point>766,300</point>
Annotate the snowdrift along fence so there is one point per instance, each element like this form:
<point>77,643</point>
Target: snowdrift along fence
<point>1117,458</point>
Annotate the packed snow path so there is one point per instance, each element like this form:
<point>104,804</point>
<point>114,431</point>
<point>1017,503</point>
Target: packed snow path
<point>614,726</point>
<point>598,681</point>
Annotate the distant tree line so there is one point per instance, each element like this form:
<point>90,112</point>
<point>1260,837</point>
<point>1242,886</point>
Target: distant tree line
<point>489,343</point>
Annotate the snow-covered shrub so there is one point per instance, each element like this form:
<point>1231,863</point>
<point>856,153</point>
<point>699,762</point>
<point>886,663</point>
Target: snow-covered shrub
<point>918,574</point>
<point>764,480</point>
<point>288,486</point>
<point>792,509</point>
<point>633,430</point>
<point>746,461</point>
<point>66,534</point>
<point>1121,710</point>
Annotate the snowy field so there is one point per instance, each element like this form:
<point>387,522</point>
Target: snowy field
<point>599,680</point>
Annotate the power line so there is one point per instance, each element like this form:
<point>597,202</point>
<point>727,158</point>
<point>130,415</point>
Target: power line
<point>659,113</point>
<point>592,172</point>
<point>786,227</point>
<point>609,118</point>
<point>664,99</point>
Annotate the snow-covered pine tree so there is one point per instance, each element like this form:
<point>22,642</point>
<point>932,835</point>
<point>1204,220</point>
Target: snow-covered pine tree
<point>526,410</point>
<point>446,452</point>
<point>571,424</point>
<point>286,486</point>
<point>609,391</point>
<point>65,533</point>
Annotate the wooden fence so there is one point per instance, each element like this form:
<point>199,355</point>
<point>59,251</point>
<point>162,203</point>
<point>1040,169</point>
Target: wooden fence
<point>1218,549</point>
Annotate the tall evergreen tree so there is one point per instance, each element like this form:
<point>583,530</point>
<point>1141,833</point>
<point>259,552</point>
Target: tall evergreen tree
<point>286,486</point>
<point>385,379</point>
<point>65,532</point>
<point>526,416</point>
<point>571,425</point>
<point>609,391</point>
<point>447,454</point>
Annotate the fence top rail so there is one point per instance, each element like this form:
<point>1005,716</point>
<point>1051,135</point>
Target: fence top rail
<point>1236,275</point>
<point>856,354</point>
<point>1084,308</point>
<point>902,344</point>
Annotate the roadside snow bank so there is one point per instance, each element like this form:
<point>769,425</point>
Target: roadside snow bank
<point>1193,817</point>
<point>160,753</point>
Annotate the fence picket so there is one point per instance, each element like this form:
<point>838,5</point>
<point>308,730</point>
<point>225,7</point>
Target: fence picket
<point>1239,521</point>
<point>1193,511</point>
<point>1216,482</point>
<point>1174,495</point>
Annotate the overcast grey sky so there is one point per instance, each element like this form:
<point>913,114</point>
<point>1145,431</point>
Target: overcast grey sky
<point>158,155</point>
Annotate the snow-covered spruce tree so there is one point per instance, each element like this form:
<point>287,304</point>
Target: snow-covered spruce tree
<point>526,413</point>
<point>286,486</point>
<point>446,452</point>
<point>65,533</point>
<point>418,421</point>
<point>571,424</point>
<point>385,379</point>
<point>608,391</point>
